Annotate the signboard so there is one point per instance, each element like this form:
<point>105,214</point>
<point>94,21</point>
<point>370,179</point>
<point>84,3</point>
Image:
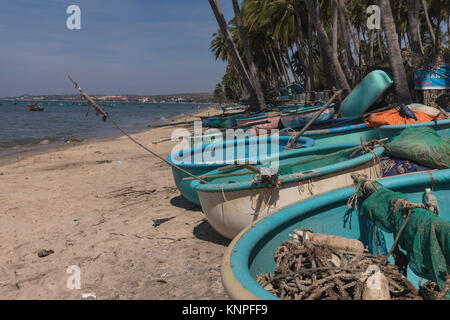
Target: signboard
<point>428,78</point>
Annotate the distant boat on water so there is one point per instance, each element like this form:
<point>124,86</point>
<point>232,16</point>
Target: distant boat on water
<point>35,107</point>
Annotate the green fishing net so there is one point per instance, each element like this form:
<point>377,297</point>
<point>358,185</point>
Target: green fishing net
<point>423,146</point>
<point>318,160</point>
<point>426,238</point>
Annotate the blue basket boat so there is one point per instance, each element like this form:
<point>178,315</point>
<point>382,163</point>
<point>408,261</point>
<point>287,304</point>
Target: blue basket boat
<point>240,150</point>
<point>234,199</point>
<point>442,127</point>
<point>251,252</point>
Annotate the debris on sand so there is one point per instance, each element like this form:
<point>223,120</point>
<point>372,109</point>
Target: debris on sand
<point>158,222</point>
<point>43,253</point>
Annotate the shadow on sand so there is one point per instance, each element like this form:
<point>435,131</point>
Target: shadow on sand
<point>205,232</point>
<point>181,202</point>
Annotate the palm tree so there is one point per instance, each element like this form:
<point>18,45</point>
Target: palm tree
<point>413,26</point>
<point>427,17</point>
<point>248,55</point>
<point>395,57</point>
<point>217,9</point>
<point>345,37</point>
<point>324,43</point>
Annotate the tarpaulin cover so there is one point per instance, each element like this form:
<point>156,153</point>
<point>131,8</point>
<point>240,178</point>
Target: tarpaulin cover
<point>394,166</point>
<point>426,238</point>
<point>396,117</point>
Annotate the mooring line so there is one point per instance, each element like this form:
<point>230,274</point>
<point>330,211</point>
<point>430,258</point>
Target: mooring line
<point>106,115</point>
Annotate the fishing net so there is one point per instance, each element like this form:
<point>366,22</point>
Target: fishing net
<point>294,165</point>
<point>426,237</point>
<point>423,146</point>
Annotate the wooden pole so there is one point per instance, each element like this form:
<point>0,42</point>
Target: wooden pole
<point>309,124</point>
<point>105,115</point>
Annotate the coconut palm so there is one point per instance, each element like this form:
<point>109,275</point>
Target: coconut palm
<point>249,56</point>
<point>321,44</point>
<point>215,5</point>
<point>313,10</point>
<point>395,57</point>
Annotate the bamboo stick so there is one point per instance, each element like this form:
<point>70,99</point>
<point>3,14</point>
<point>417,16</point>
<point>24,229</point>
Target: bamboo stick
<point>294,141</point>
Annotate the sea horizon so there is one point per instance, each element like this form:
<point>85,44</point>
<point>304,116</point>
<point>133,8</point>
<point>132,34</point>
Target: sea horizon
<point>62,123</point>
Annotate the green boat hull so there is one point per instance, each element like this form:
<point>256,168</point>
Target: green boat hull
<point>365,94</point>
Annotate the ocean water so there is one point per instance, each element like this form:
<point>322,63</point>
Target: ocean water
<point>21,129</point>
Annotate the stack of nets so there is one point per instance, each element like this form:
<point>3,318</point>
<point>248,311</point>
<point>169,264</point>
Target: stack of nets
<point>423,146</point>
<point>312,271</point>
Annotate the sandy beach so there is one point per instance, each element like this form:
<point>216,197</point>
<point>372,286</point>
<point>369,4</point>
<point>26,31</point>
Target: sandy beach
<point>97,205</point>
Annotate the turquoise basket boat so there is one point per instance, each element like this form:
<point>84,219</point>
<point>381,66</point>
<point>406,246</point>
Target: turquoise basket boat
<point>341,133</point>
<point>232,150</point>
<point>234,199</point>
<point>251,252</point>
<point>365,94</point>
<point>442,127</point>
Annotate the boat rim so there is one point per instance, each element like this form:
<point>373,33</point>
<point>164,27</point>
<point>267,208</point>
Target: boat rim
<point>307,143</point>
<point>294,177</point>
<point>341,129</point>
<point>414,125</point>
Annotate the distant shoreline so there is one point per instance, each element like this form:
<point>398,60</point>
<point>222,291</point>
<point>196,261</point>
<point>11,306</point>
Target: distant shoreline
<point>24,151</point>
<point>107,101</point>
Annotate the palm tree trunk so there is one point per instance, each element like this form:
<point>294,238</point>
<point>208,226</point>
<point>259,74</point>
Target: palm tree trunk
<point>372,34</point>
<point>427,18</point>
<point>420,41</point>
<point>437,45</point>
<point>334,30</point>
<point>310,83</point>
<point>413,26</point>
<point>448,22</point>
<point>380,44</point>
<point>329,76</point>
<point>302,60</point>
<point>217,9</point>
<point>324,42</point>
<point>348,50</point>
<point>286,51</point>
<point>398,23</point>
<point>248,55</point>
<point>299,42</point>
<point>283,65</point>
<point>356,39</point>
<point>280,74</point>
<point>395,57</point>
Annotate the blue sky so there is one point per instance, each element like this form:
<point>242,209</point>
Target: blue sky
<point>133,46</point>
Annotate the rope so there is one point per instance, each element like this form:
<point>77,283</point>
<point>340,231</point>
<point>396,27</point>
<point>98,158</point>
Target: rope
<point>369,147</point>
<point>375,229</point>
<point>237,209</point>
<point>407,207</point>
<point>353,200</point>
<point>106,115</point>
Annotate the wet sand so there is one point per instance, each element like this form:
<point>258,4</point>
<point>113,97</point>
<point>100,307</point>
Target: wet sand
<point>96,205</point>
